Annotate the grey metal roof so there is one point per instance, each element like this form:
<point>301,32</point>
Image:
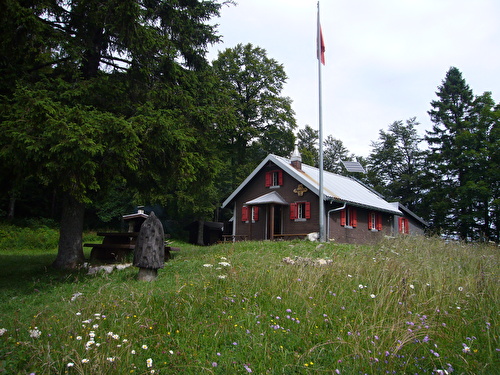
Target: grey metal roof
<point>268,198</point>
<point>335,187</point>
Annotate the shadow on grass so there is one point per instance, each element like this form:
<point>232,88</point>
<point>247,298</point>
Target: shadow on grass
<point>31,273</point>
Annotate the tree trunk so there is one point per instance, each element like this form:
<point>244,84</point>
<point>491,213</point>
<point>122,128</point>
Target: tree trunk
<point>201,226</point>
<point>12,206</point>
<point>70,253</point>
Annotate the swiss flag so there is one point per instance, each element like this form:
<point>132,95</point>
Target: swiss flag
<point>321,45</point>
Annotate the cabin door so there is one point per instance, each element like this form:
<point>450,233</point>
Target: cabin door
<point>274,220</point>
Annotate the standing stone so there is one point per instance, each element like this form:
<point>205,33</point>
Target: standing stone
<point>149,253</point>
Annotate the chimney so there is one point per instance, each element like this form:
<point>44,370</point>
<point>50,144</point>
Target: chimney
<point>296,159</point>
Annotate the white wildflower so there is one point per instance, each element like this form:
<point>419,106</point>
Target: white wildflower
<point>35,333</point>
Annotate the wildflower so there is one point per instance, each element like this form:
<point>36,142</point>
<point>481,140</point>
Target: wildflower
<point>224,264</point>
<point>124,341</point>
<point>70,364</point>
<point>95,326</point>
<point>247,368</point>
<point>78,338</point>
<point>35,333</point>
<point>221,277</point>
<point>115,336</point>
<point>171,351</point>
<point>145,347</point>
<point>372,295</point>
<point>214,364</point>
<point>208,265</point>
<point>466,349</point>
<point>149,362</point>
<point>132,352</point>
<point>91,334</point>
<point>85,360</point>
<point>412,286</point>
<point>460,288</point>
<point>278,297</point>
<point>360,286</point>
<point>78,313</point>
<point>110,359</point>
<point>2,331</point>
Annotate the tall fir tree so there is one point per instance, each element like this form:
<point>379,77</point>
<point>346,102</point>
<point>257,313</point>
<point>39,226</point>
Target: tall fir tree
<point>97,92</point>
<point>457,160</point>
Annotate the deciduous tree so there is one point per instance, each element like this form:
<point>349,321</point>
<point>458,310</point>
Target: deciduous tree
<point>264,119</point>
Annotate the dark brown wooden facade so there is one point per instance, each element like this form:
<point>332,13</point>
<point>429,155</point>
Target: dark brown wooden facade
<point>274,204</point>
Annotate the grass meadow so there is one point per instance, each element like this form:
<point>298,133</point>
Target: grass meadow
<point>409,305</point>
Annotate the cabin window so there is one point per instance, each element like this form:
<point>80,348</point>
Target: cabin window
<point>246,211</point>
<point>349,217</point>
<point>274,178</point>
<point>300,211</point>
<point>374,221</point>
<point>404,225</point>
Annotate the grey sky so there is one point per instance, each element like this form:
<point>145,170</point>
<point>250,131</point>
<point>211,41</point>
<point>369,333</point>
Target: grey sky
<point>384,58</point>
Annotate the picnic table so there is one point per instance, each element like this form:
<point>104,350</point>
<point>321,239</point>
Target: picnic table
<point>116,246</point>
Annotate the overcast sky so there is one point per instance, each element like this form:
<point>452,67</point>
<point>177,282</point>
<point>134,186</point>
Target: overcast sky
<point>384,58</point>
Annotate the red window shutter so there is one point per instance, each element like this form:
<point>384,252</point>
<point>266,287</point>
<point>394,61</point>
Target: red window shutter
<point>378,221</point>
<point>268,179</point>
<point>255,213</point>
<point>308,210</point>
<point>370,215</point>
<point>244,213</point>
<point>293,211</point>
<point>400,224</point>
<point>354,218</point>
<point>342,217</point>
<point>407,226</point>
<point>280,178</point>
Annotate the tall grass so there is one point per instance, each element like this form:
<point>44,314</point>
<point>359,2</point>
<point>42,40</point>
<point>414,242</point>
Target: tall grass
<point>405,306</point>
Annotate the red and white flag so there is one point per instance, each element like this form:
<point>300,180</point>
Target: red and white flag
<point>321,45</point>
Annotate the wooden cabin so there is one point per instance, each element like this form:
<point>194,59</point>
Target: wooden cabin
<point>280,200</point>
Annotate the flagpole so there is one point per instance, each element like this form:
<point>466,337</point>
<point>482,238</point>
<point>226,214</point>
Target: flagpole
<point>321,199</point>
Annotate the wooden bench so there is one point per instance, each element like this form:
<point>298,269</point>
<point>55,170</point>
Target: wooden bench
<point>116,246</point>
<point>233,237</point>
<point>290,236</point>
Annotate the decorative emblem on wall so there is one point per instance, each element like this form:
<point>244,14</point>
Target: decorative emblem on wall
<point>300,190</point>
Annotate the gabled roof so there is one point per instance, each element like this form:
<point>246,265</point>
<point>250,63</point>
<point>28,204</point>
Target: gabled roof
<point>336,188</point>
<point>268,198</point>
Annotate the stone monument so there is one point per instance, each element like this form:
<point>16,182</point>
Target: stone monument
<point>149,252</point>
